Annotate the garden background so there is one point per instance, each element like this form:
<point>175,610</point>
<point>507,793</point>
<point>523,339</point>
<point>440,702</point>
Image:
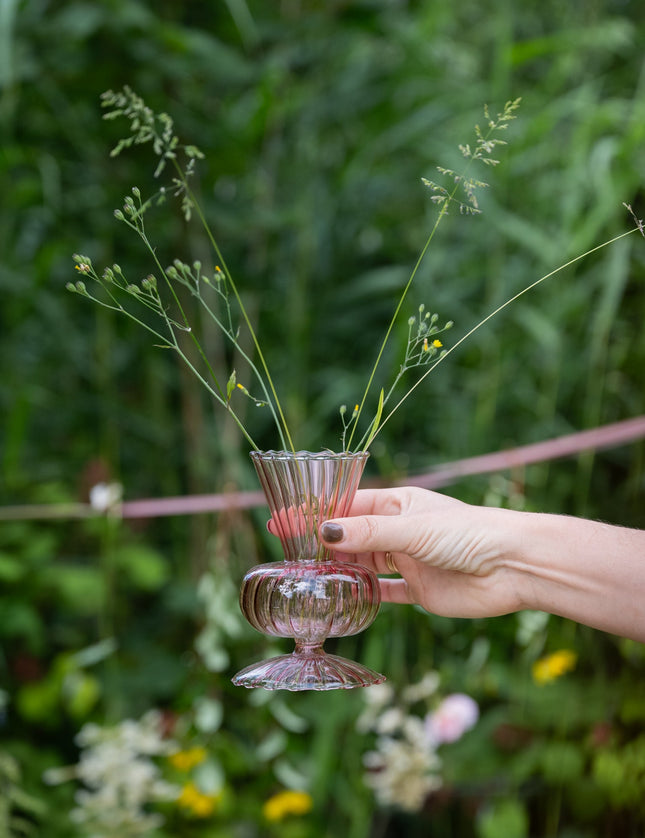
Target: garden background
<point>318,121</point>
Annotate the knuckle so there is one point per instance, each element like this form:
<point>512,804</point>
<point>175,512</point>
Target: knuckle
<point>371,530</point>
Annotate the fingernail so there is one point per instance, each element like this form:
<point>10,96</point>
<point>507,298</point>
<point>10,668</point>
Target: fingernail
<point>332,532</point>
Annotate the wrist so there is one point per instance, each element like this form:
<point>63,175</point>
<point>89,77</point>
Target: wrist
<point>527,537</point>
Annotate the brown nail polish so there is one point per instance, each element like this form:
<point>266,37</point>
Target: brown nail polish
<point>333,533</point>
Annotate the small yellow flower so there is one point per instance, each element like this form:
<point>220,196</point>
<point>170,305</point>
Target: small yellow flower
<point>437,344</point>
<point>83,267</point>
<point>553,666</point>
<point>286,803</point>
<point>185,760</point>
<point>197,803</point>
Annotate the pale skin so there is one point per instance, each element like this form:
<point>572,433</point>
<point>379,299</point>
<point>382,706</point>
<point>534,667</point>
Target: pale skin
<point>460,560</point>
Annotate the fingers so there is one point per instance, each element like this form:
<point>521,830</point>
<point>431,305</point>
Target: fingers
<point>395,590</point>
<point>366,502</point>
<point>379,563</point>
<point>373,534</point>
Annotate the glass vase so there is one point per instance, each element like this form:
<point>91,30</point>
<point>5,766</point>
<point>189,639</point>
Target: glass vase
<point>309,596</point>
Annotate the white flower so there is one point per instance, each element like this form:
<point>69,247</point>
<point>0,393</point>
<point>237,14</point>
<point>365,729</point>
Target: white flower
<point>426,687</point>
<point>413,729</point>
<point>120,778</point>
<point>389,721</point>
<point>105,496</point>
<point>456,714</point>
<point>402,773</point>
<point>376,698</point>
<point>378,695</point>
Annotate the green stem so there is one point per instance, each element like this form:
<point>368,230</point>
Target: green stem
<point>490,316</point>
<point>225,404</point>
<point>282,426</point>
<point>174,345</point>
<point>253,367</point>
<point>369,435</point>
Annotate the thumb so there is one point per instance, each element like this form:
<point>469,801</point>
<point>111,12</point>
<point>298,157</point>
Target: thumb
<point>369,534</point>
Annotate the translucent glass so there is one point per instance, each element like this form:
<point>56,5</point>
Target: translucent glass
<point>310,596</point>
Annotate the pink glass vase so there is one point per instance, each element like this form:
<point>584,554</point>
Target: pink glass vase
<point>310,596</point>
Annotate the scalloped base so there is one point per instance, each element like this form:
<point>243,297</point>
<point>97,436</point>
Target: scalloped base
<point>307,671</point>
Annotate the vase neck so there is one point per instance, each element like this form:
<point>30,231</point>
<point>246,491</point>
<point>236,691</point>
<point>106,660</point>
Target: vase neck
<point>303,490</point>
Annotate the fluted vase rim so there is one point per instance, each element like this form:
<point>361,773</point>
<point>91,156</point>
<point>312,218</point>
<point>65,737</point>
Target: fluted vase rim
<point>272,454</point>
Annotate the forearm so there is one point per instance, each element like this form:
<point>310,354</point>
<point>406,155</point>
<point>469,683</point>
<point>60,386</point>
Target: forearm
<point>590,572</point>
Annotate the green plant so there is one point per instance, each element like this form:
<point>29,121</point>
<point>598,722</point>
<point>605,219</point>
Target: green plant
<point>18,809</point>
<point>216,290</point>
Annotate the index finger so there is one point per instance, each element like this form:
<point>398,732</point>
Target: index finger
<point>375,502</point>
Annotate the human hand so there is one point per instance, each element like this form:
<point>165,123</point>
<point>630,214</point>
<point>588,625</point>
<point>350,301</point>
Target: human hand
<point>450,555</point>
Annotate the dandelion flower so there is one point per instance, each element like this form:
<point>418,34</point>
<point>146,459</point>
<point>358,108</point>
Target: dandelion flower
<point>185,760</point>
<point>553,666</point>
<point>196,802</point>
<point>286,803</point>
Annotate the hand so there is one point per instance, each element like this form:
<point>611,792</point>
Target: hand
<point>449,554</point>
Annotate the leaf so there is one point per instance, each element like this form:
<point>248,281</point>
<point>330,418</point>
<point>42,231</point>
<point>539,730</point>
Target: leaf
<point>507,818</point>
<point>80,692</point>
<point>144,567</point>
<point>11,568</point>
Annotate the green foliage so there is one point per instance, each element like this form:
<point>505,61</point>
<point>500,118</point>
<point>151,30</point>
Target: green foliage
<point>620,773</point>
<point>318,122</point>
<point>505,817</point>
<point>17,807</point>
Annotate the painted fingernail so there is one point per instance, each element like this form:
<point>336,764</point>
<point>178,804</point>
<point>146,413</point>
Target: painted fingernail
<point>332,532</point>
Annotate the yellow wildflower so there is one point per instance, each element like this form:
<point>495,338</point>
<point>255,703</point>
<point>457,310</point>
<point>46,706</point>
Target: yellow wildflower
<point>553,666</point>
<point>437,344</point>
<point>199,805</point>
<point>83,267</point>
<point>286,803</point>
<point>185,760</point>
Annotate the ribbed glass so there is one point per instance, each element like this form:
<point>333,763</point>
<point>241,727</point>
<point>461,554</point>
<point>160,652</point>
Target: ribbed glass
<point>310,596</point>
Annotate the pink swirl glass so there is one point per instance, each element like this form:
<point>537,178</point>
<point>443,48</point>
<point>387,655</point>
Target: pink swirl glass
<point>310,596</point>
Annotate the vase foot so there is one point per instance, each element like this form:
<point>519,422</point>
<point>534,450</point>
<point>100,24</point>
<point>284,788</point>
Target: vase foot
<point>307,671</point>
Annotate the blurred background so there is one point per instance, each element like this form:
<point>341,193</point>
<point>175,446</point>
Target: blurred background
<point>318,121</point>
